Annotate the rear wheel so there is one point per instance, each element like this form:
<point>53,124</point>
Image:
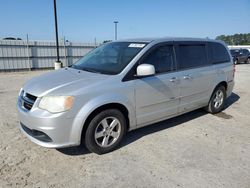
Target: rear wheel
<point>105,131</point>
<point>217,100</point>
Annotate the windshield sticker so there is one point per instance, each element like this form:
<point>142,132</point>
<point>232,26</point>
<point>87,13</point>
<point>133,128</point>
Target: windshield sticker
<point>136,45</point>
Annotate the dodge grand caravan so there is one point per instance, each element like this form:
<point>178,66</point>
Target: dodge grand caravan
<point>121,86</point>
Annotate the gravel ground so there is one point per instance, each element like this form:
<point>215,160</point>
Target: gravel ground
<point>194,150</point>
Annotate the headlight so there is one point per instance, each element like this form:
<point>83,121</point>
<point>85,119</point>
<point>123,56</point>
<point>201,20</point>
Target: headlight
<point>55,104</point>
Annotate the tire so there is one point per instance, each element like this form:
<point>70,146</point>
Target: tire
<point>217,100</point>
<point>248,61</point>
<point>105,131</point>
<point>236,62</point>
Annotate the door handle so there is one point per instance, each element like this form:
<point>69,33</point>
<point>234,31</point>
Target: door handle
<point>187,77</point>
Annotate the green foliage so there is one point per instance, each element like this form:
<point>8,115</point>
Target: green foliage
<point>105,41</point>
<point>236,39</point>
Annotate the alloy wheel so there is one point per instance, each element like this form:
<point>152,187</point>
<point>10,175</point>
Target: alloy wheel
<point>218,99</point>
<point>107,132</point>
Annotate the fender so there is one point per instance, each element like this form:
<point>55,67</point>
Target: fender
<point>223,74</point>
<point>97,102</point>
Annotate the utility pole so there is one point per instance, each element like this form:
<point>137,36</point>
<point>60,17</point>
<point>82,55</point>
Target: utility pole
<point>65,52</point>
<point>58,63</point>
<point>116,22</point>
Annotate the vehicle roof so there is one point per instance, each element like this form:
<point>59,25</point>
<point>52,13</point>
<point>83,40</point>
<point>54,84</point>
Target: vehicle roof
<point>238,49</point>
<point>165,39</point>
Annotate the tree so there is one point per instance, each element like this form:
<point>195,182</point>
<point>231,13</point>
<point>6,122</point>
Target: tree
<point>236,39</point>
<point>105,41</point>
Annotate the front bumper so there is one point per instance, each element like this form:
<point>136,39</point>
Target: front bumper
<point>46,129</point>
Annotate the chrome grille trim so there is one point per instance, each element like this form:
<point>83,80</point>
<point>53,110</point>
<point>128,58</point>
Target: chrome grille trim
<point>26,100</point>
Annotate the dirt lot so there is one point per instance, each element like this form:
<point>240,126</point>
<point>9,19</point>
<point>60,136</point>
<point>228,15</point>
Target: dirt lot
<point>194,150</point>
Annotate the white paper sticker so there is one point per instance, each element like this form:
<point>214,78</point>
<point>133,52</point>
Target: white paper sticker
<point>136,45</point>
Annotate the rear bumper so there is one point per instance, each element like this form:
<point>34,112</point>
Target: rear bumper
<point>230,86</point>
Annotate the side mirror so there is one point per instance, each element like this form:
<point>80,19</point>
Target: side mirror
<point>145,70</point>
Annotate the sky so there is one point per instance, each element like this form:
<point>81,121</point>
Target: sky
<point>85,20</point>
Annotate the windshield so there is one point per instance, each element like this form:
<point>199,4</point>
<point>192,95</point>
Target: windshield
<point>110,58</point>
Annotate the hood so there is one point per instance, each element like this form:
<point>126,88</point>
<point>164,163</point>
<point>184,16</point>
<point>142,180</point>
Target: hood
<point>61,79</point>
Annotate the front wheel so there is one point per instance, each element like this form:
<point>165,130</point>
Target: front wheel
<point>105,131</point>
<point>235,61</point>
<point>248,60</point>
<point>217,100</point>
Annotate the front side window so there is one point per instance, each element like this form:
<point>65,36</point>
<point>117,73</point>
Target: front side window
<point>162,58</point>
<point>192,56</point>
<point>110,58</point>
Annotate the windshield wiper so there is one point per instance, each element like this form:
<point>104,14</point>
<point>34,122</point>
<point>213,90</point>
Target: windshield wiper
<point>90,70</point>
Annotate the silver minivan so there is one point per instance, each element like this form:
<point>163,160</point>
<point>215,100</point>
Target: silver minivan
<point>121,86</point>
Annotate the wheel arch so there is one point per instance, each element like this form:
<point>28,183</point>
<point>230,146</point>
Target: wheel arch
<point>210,109</point>
<point>114,105</point>
<point>223,83</point>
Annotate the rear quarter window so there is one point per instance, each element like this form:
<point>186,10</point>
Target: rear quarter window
<point>217,53</point>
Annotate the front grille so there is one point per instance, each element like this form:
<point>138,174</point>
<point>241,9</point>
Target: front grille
<point>27,100</point>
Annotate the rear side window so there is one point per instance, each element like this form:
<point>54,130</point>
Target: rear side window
<point>192,56</point>
<point>162,58</point>
<point>218,53</point>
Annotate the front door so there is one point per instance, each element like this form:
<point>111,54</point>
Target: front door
<point>157,96</point>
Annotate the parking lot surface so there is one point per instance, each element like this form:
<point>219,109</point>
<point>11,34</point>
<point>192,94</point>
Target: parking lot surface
<point>193,150</point>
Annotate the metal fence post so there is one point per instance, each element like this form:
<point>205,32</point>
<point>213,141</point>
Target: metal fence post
<point>1,60</point>
<point>28,54</point>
